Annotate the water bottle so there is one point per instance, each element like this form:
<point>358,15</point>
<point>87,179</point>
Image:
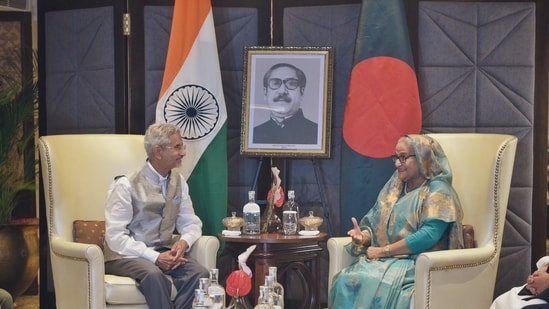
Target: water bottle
<point>199,301</point>
<point>251,213</point>
<point>216,291</point>
<point>204,284</point>
<point>277,286</point>
<point>290,214</point>
<point>264,301</point>
<point>276,299</point>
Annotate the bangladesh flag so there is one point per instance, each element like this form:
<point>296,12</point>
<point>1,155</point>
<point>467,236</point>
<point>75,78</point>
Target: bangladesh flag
<point>382,105</point>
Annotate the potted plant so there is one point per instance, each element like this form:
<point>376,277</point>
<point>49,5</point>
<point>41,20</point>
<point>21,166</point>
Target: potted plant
<point>18,107</point>
<point>18,95</point>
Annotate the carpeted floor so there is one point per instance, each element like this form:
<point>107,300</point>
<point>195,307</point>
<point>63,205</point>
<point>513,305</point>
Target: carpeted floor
<point>27,302</point>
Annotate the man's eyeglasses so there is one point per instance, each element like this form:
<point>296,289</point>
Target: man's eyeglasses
<point>401,158</point>
<point>290,83</point>
<point>177,147</point>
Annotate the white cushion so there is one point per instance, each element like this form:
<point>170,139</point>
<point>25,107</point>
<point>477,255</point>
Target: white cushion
<point>123,290</point>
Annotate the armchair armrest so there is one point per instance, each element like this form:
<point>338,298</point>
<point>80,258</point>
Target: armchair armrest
<point>339,258</point>
<point>204,250</point>
<point>463,270</point>
<point>79,270</point>
<point>80,284</point>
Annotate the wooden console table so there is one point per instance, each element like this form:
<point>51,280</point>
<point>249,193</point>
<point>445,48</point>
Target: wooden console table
<point>288,253</point>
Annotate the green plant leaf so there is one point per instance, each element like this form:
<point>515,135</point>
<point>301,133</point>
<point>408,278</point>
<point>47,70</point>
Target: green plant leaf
<point>18,110</point>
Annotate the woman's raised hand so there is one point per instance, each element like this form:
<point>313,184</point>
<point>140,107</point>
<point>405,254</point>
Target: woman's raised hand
<point>355,233</point>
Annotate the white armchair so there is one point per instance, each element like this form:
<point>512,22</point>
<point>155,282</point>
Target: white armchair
<point>482,165</point>
<point>76,171</point>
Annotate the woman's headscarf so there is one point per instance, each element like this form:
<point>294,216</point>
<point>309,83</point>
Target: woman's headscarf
<point>430,157</point>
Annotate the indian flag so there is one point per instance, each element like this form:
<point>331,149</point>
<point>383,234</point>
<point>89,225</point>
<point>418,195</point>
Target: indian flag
<point>192,98</point>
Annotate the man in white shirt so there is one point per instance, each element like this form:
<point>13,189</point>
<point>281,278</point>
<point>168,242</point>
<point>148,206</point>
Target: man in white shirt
<point>532,295</point>
<point>143,210</point>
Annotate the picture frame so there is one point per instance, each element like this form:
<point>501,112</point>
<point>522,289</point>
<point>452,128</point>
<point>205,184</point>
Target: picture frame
<point>287,101</point>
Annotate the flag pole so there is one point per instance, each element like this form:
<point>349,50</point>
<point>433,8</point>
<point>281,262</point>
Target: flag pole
<point>322,198</point>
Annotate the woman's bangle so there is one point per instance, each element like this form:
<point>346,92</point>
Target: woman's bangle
<point>387,251</point>
<point>365,237</point>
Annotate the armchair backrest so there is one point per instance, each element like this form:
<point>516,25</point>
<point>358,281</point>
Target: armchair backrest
<point>482,166</point>
<point>69,161</point>
<point>482,178</point>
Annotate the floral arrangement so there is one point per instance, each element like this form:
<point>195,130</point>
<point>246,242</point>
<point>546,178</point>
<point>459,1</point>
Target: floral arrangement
<point>239,282</point>
<point>275,198</point>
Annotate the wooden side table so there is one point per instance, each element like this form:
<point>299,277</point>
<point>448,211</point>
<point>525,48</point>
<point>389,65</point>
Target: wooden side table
<point>300,254</point>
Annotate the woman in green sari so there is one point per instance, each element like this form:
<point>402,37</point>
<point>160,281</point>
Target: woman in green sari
<point>417,210</point>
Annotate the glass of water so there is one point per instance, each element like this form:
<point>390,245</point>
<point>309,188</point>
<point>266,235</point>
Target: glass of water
<point>289,222</point>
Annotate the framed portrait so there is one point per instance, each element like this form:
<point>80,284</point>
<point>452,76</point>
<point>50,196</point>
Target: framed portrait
<point>287,102</point>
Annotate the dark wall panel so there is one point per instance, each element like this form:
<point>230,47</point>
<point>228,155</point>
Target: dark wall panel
<point>80,87</point>
<point>476,73</point>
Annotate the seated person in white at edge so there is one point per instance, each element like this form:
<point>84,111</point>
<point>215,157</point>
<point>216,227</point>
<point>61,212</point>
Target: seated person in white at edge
<point>534,294</point>
<point>143,210</point>
<point>284,86</point>
<point>6,300</point>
